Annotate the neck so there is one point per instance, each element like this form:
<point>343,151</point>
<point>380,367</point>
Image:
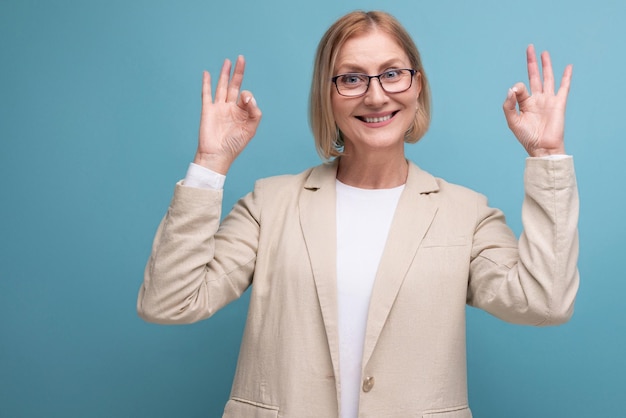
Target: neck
<point>373,171</point>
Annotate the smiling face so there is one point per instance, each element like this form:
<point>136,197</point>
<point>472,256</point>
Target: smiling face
<point>376,120</point>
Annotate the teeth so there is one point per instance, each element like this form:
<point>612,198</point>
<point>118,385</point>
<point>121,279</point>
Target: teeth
<point>376,120</point>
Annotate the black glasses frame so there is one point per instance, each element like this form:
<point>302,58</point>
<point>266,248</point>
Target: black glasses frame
<point>369,77</point>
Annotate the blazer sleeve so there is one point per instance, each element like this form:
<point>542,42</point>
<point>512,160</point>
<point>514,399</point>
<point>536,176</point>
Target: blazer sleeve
<point>197,266</point>
<point>533,281</point>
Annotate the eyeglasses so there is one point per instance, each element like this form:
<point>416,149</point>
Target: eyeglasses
<point>357,84</point>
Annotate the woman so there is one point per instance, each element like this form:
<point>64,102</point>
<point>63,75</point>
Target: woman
<point>362,266</point>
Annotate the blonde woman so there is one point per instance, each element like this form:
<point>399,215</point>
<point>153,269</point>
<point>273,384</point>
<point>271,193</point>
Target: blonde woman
<point>361,267</point>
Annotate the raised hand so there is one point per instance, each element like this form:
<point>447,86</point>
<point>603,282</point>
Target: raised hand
<point>540,123</point>
<point>228,123</point>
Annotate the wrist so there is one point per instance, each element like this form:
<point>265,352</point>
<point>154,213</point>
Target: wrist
<point>213,162</point>
<point>546,152</point>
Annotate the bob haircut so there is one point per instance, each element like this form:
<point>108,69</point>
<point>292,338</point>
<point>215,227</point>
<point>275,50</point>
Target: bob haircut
<point>328,139</point>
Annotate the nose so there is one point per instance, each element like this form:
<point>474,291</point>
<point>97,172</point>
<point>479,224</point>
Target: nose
<point>375,93</point>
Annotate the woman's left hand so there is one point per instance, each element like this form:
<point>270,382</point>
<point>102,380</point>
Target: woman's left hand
<point>540,123</point>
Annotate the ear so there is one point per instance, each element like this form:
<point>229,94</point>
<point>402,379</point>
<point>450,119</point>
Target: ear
<point>418,83</point>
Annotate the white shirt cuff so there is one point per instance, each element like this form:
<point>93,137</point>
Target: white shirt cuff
<point>203,178</point>
<point>554,157</point>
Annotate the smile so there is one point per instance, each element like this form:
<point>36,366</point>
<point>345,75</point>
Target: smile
<point>374,120</point>
<point>377,119</point>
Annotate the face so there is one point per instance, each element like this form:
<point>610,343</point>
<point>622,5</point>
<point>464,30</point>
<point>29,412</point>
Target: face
<point>377,120</point>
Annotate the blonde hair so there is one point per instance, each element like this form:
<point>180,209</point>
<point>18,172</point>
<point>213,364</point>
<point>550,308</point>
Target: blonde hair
<point>328,139</point>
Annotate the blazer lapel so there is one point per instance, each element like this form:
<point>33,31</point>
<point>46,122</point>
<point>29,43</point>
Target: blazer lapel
<point>416,209</point>
<point>317,207</point>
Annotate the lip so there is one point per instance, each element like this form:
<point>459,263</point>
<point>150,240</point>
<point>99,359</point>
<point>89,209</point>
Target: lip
<point>377,119</point>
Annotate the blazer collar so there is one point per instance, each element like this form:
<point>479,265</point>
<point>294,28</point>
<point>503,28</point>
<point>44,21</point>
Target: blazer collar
<point>325,175</point>
<point>416,209</point>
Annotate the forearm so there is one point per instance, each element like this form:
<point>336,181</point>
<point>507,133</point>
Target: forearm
<point>174,273</point>
<point>535,280</point>
<point>197,266</point>
<point>548,246</point>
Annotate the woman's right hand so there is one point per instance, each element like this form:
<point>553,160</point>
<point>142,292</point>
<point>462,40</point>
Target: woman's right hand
<point>227,123</point>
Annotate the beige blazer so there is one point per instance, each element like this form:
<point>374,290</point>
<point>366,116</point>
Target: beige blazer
<point>446,248</point>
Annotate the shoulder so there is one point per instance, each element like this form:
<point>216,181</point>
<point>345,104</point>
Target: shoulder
<point>313,177</point>
<point>283,183</point>
<point>457,192</point>
<point>425,183</point>
<point>459,209</point>
<point>277,197</point>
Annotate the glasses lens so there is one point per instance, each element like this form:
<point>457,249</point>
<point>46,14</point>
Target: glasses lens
<point>352,84</point>
<point>396,81</point>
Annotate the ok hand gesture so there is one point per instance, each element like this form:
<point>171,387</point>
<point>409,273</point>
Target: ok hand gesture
<point>540,123</point>
<point>228,123</point>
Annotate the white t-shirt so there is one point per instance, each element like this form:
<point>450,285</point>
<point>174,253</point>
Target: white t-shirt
<point>363,220</point>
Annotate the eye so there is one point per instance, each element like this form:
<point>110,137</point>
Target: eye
<point>351,80</point>
<point>391,75</point>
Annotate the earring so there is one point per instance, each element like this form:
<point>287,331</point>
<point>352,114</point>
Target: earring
<point>338,142</point>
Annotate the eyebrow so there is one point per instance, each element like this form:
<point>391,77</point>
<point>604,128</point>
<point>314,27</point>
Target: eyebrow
<point>355,68</point>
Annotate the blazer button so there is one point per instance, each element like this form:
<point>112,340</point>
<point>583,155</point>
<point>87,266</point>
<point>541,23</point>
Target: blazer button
<point>368,383</point>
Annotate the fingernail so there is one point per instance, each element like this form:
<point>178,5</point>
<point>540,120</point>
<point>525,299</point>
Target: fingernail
<point>247,100</point>
<point>253,101</point>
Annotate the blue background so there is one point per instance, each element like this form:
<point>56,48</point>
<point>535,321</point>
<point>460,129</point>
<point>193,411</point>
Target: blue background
<point>99,110</point>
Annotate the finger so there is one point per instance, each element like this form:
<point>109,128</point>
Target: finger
<point>565,82</point>
<point>521,93</point>
<point>235,82</point>
<point>222,83</point>
<point>534,78</point>
<point>248,103</point>
<point>548,76</point>
<point>206,90</point>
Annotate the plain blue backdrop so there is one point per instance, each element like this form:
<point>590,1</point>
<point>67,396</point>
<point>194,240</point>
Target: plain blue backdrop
<point>99,110</point>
